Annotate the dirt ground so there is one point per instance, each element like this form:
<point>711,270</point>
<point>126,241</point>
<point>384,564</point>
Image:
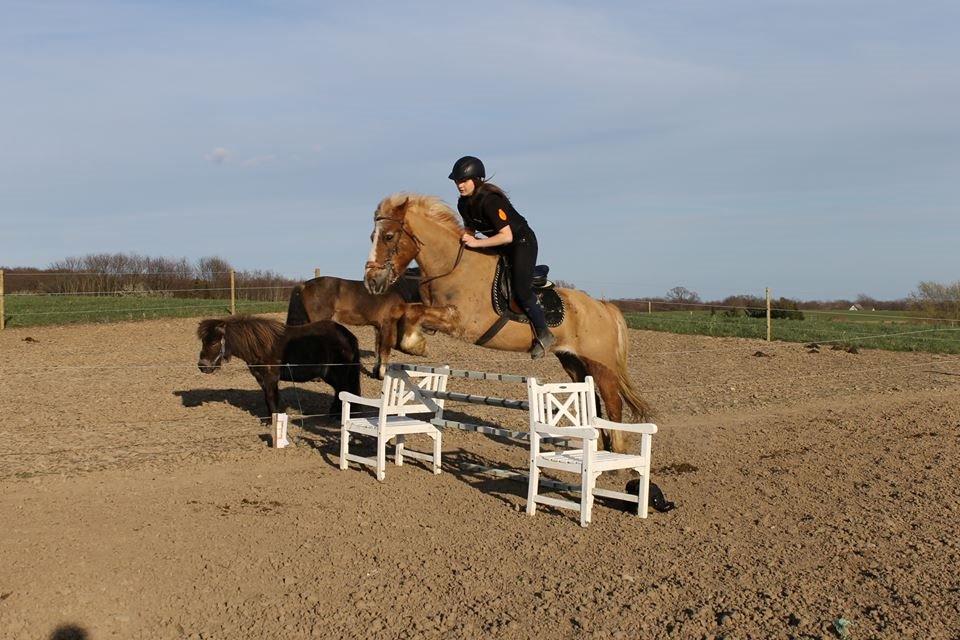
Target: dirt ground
<point>139,499</point>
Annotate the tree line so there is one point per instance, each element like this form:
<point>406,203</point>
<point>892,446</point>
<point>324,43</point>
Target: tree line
<point>931,299</point>
<point>131,274</point>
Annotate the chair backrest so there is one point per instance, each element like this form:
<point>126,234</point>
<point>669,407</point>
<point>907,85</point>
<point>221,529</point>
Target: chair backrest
<point>565,404</point>
<point>401,387</point>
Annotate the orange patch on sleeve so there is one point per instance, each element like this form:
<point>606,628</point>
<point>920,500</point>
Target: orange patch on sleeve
<point>503,214</point>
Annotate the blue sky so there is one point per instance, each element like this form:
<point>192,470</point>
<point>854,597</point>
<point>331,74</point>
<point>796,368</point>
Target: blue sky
<point>813,147</point>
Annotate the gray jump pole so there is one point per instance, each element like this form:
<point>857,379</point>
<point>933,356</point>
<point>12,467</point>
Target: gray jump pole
<point>491,401</point>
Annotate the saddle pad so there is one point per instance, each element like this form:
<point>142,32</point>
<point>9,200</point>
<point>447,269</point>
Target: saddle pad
<point>506,307</point>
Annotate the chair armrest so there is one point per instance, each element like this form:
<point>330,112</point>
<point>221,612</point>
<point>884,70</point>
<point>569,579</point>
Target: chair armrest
<point>583,433</point>
<point>346,396</point>
<point>645,428</point>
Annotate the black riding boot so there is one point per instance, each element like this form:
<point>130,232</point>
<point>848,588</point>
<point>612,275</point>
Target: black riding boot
<point>542,343</point>
<point>544,339</point>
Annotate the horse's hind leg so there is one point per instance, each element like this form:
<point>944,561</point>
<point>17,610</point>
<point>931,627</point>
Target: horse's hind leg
<point>608,388</point>
<point>572,365</point>
<point>576,369</point>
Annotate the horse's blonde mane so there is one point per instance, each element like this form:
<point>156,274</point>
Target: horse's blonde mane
<point>431,207</point>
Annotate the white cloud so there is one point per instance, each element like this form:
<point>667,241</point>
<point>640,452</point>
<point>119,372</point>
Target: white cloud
<point>218,156</point>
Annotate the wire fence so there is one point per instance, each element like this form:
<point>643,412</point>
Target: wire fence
<point>178,445</point>
<point>80,296</point>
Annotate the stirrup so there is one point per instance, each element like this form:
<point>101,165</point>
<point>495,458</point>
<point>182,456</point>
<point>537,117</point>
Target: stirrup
<point>538,350</point>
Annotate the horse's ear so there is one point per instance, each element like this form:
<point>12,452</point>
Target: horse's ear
<point>403,205</point>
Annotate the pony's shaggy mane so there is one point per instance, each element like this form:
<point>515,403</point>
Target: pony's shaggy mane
<point>431,207</point>
<point>246,336</point>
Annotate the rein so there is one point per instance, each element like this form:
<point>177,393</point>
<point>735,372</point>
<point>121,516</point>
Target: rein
<point>455,264</point>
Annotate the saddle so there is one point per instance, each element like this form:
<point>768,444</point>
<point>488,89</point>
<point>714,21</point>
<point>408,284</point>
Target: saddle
<point>508,309</point>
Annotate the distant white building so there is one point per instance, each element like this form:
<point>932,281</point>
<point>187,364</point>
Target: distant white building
<point>856,307</point>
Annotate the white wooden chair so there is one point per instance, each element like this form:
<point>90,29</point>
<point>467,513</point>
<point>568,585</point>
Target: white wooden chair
<point>399,399</point>
<point>568,410</point>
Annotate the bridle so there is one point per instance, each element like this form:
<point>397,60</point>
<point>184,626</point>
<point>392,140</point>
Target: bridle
<point>223,352</point>
<point>392,251</point>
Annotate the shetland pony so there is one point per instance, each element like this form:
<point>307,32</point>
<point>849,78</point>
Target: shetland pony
<point>273,351</point>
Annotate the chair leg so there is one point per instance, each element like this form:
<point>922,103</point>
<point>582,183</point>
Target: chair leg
<point>398,451</point>
<point>593,485</point>
<point>588,483</point>
<point>586,491</point>
<point>643,493</point>
<point>381,458</point>
<point>344,447</point>
<point>437,446</point>
<point>533,487</point>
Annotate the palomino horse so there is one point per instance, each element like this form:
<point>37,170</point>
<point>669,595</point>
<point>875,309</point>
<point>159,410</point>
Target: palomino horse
<point>395,315</point>
<point>591,340</point>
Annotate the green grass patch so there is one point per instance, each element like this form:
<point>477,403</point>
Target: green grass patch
<point>869,330</point>
<point>32,311</point>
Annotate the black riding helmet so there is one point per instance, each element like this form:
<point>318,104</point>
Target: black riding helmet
<point>467,168</point>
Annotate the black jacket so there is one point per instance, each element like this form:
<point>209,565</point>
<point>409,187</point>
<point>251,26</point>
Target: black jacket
<point>488,213</point>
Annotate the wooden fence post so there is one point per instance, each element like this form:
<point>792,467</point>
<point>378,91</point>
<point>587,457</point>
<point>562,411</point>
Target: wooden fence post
<point>649,308</point>
<point>316,273</point>
<point>3,321</point>
<point>768,314</point>
<point>233,294</point>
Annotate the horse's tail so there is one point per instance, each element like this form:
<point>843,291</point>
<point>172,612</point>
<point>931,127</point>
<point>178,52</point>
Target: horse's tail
<point>296,311</point>
<point>640,407</point>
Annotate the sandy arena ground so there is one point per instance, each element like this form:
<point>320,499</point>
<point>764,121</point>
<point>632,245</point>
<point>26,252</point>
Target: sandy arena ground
<point>140,499</point>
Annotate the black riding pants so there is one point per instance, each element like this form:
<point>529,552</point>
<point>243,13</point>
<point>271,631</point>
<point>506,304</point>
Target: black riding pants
<point>523,258</point>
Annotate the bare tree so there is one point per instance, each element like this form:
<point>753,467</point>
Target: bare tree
<point>682,295</point>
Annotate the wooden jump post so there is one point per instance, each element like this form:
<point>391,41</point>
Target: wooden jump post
<point>3,320</point>
<point>768,315</point>
<point>233,294</point>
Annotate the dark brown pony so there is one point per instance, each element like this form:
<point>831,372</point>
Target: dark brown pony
<point>396,315</point>
<point>273,351</point>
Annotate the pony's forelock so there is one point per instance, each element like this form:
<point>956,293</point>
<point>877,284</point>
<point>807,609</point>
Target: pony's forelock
<point>208,328</point>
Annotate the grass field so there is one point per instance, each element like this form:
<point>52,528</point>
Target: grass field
<point>872,330</point>
<point>863,328</point>
<point>26,311</point>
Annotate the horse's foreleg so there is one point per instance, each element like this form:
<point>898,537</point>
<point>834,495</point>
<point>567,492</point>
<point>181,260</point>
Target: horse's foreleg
<point>271,391</point>
<point>378,342</point>
<point>409,332</point>
<point>443,319</point>
<point>386,338</point>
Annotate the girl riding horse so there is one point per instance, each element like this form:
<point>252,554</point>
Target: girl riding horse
<point>486,209</point>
